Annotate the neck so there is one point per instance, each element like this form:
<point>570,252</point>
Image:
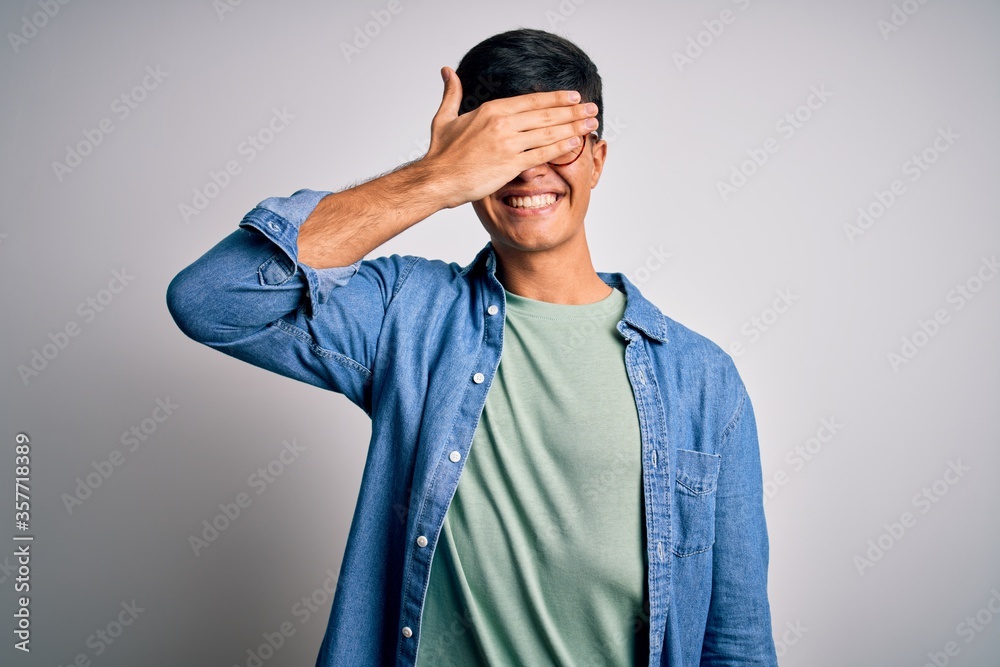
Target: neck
<point>564,274</point>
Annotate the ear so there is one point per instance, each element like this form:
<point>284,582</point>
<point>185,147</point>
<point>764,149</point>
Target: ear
<point>599,153</point>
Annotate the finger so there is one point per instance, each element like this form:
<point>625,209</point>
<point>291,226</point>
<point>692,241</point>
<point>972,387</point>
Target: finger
<point>546,136</point>
<point>541,155</point>
<point>532,101</point>
<point>450,99</point>
<point>530,120</point>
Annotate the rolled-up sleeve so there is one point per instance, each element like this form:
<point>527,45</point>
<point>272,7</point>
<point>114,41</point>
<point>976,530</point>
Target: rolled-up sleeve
<point>250,298</point>
<point>738,631</point>
<point>279,219</point>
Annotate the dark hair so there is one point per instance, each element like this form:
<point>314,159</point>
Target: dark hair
<point>527,61</point>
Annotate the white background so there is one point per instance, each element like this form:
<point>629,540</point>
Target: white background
<point>675,132</point>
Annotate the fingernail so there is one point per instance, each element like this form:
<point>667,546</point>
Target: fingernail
<point>574,96</point>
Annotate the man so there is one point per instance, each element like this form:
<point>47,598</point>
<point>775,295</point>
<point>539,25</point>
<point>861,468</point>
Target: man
<point>558,473</point>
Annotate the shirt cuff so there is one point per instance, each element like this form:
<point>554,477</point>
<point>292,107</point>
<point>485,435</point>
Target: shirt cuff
<point>279,219</point>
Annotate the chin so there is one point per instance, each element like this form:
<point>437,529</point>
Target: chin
<point>529,242</point>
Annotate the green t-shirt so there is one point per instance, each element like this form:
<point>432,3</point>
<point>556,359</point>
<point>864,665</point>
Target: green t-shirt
<point>542,559</point>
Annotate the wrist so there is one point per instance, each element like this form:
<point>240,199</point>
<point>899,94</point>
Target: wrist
<point>433,179</point>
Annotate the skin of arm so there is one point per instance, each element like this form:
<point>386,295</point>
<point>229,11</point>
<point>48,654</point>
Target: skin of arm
<point>470,157</point>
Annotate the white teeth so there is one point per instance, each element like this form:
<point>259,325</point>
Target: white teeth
<point>536,201</point>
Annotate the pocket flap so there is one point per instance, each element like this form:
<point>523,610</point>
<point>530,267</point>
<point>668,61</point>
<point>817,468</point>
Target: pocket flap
<point>697,472</point>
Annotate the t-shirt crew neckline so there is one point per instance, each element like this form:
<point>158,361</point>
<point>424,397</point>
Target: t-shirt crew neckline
<point>561,311</point>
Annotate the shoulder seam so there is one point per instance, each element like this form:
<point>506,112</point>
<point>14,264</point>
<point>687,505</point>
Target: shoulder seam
<point>734,420</point>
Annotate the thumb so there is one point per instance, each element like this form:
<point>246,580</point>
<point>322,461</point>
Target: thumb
<point>452,97</point>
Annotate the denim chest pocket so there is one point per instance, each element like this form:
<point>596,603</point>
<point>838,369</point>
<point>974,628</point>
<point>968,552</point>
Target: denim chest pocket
<point>694,501</point>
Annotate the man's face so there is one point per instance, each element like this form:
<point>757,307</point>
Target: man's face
<point>526,228</point>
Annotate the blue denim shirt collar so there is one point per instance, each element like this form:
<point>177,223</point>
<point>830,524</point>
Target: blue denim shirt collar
<point>640,313</point>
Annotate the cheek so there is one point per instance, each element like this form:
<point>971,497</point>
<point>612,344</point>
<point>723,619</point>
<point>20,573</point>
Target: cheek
<point>581,191</point>
<point>483,213</point>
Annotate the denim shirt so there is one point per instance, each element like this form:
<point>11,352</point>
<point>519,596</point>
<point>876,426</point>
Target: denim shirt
<point>415,343</point>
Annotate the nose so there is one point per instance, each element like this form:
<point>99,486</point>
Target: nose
<point>534,172</point>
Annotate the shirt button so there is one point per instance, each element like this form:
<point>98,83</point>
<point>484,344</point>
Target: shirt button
<point>478,378</point>
<point>274,226</point>
<point>455,456</point>
<point>493,310</point>
<point>407,632</point>
<point>421,541</point>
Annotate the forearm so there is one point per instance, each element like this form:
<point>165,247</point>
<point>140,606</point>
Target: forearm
<point>345,226</point>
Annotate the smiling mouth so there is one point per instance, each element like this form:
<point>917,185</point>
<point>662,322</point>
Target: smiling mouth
<point>532,203</point>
